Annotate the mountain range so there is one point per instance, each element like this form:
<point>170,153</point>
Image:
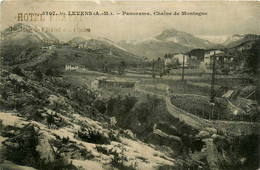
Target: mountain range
<point>21,45</point>
<point>167,41</point>
<point>230,41</point>
<point>238,39</point>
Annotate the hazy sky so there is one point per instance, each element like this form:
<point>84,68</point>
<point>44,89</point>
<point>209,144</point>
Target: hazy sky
<point>223,18</point>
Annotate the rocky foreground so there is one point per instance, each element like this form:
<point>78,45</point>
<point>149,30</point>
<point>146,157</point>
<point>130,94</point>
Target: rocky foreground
<point>47,123</point>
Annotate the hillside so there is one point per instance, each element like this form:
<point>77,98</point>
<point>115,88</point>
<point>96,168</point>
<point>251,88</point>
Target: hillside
<point>95,54</point>
<point>22,44</point>
<point>46,123</point>
<point>96,43</point>
<point>26,47</point>
<point>99,60</point>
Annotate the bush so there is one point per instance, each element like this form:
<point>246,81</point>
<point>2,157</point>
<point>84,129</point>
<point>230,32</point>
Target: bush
<point>38,75</point>
<point>26,153</point>
<point>83,96</point>
<point>100,106</point>
<point>103,150</point>
<point>92,137</point>
<point>62,91</point>
<point>52,73</point>
<point>18,71</point>
<point>59,163</point>
<point>117,162</point>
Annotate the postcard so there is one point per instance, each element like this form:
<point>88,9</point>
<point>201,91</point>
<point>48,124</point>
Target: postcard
<point>126,85</point>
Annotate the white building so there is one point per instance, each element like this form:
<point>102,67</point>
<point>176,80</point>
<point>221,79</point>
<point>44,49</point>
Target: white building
<point>177,58</point>
<point>180,58</point>
<point>72,67</point>
<point>208,54</point>
<point>48,47</point>
<point>167,61</point>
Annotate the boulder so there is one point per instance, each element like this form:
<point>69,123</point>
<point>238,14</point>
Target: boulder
<point>45,149</point>
<point>203,134</point>
<point>113,121</point>
<point>130,134</point>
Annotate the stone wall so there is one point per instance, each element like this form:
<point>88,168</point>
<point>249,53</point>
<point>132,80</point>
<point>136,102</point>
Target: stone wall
<point>228,127</point>
<point>113,83</point>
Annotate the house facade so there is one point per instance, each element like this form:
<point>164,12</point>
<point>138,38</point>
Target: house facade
<point>180,58</point>
<point>208,56</point>
<point>176,59</point>
<point>71,67</point>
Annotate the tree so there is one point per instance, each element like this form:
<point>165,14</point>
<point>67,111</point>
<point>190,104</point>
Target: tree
<point>49,72</point>
<point>252,60</point>
<point>38,75</point>
<point>52,73</point>
<point>153,63</point>
<point>121,68</point>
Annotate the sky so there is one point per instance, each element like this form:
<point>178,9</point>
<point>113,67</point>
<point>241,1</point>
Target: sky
<point>223,18</point>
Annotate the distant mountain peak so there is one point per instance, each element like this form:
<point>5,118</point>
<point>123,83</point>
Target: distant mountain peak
<point>78,40</point>
<point>182,38</point>
<point>21,34</point>
<point>169,40</point>
<point>169,33</point>
<point>237,39</point>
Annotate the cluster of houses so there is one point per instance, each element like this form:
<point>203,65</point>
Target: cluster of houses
<point>245,46</point>
<point>88,45</point>
<point>48,47</point>
<point>220,56</point>
<point>51,44</point>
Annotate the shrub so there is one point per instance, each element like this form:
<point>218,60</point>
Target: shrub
<point>62,91</point>
<point>93,137</point>
<point>38,75</point>
<point>26,153</point>
<point>86,154</point>
<point>18,71</point>
<point>52,73</point>
<point>59,163</point>
<point>117,162</point>
<point>100,106</point>
<point>83,95</point>
<point>102,150</point>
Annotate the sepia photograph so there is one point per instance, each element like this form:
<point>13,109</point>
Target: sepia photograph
<point>129,85</point>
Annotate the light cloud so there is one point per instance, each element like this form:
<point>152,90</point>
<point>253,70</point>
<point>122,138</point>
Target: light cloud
<point>223,18</point>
